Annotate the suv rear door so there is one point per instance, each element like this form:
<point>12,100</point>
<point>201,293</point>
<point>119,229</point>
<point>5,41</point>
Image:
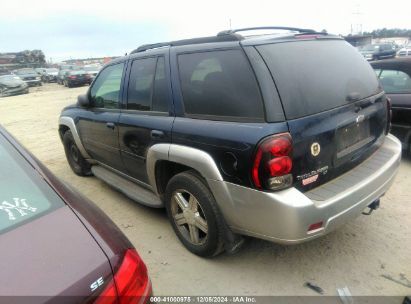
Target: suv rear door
<point>147,115</point>
<point>336,111</point>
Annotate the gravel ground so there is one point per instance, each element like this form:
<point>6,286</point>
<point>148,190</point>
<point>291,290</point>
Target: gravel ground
<point>357,255</point>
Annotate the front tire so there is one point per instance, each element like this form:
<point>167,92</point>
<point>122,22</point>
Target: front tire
<point>76,161</point>
<point>194,215</point>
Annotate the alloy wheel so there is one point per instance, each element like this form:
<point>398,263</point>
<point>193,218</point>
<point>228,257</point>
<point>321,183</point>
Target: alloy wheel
<point>189,217</point>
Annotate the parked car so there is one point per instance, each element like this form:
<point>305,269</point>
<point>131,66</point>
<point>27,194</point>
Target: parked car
<point>12,85</point>
<point>29,76</point>
<point>48,230</point>
<point>40,71</point>
<point>378,51</point>
<point>61,76</point>
<point>92,71</point>
<point>76,78</point>
<point>282,137</point>
<point>406,51</point>
<point>395,77</point>
<point>50,75</point>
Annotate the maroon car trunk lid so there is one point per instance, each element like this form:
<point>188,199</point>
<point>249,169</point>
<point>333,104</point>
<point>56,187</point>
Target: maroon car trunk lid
<point>53,255</point>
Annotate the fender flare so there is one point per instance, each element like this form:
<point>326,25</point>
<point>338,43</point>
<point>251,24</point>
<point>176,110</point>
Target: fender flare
<point>69,122</point>
<point>194,158</point>
<point>203,163</point>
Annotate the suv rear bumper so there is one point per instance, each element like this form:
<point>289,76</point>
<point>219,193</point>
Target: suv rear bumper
<point>284,216</point>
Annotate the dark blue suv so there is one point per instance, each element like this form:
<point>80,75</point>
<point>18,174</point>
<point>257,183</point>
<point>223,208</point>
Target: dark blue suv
<point>282,136</point>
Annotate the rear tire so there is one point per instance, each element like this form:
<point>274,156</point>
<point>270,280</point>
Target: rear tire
<point>194,215</point>
<point>76,161</point>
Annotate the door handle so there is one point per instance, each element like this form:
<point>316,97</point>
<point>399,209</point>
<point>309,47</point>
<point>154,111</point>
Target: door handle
<point>110,125</point>
<point>157,134</point>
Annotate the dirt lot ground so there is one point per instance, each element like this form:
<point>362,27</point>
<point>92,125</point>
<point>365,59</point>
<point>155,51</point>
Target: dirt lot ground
<point>357,255</point>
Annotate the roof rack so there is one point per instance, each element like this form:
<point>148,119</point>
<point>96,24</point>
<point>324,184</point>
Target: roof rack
<point>228,35</point>
<point>217,38</point>
<point>146,47</point>
<point>294,29</point>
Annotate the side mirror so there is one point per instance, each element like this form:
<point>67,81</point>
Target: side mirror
<point>83,101</point>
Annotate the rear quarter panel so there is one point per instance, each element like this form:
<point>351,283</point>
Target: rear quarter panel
<point>231,144</point>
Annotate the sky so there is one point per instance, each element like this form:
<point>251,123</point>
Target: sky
<point>91,28</point>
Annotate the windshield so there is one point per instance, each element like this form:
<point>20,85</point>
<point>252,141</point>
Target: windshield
<point>51,70</point>
<point>315,76</point>
<point>24,195</point>
<point>370,47</point>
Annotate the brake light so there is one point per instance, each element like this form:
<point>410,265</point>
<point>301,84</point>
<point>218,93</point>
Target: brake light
<point>273,163</point>
<point>389,115</point>
<point>131,283</point>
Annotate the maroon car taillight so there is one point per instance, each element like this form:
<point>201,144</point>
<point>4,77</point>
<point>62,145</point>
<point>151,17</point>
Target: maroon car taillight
<point>389,115</point>
<point>273,163</point>
<point>131,283</point>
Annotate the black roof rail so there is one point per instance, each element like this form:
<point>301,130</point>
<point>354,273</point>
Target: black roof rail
<point>294,29</point>
<point>211,39</point>
<point>146,47</point>
<point>224,36</point>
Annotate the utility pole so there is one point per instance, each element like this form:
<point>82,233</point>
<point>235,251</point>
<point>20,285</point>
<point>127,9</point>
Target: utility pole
<point>356,29</point>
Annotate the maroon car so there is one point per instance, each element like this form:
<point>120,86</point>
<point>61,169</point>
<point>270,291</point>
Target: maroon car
<point>57,246</point>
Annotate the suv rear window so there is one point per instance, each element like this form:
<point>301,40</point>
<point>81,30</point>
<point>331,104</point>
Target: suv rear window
<point>24,195</point>
<point>220,84</point>
<point>315,76</point>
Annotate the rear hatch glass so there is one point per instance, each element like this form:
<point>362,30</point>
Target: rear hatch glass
<point>336,111</point>
<point>24,195</point>
<point>315,76</point>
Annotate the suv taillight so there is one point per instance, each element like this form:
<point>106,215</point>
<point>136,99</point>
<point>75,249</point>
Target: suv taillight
<point>389,115</point>
<point>131,283</point>
<point>273,163</point>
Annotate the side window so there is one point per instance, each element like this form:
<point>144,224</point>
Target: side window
<point>219,83</point>
<point>140,85</point>
<point>160,93</point>
<point>105,92</point>
<point>147,87</point>
<point>395,82</point>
